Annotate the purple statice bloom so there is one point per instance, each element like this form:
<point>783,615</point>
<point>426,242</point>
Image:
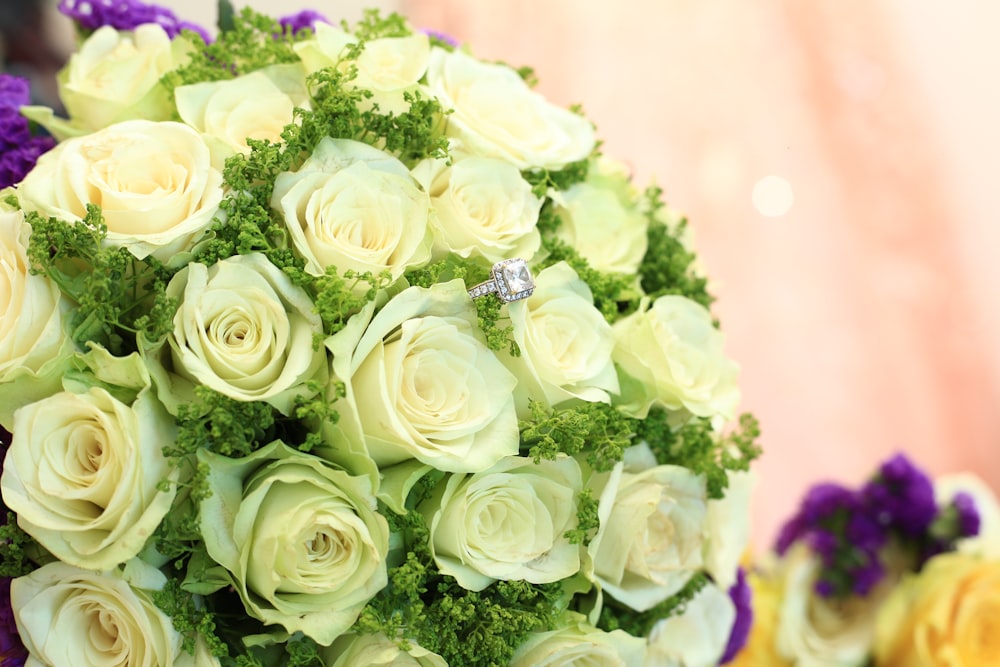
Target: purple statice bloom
<point>440,36</point>
<point>822,502</point>
<point>305,19</point>
<point>902,497</point>
<point>126,15</point>
<point>12,651</point>
<point>865,577</point>
<point>742,596</point>
<point>19,150</point>
<point>969,519</point>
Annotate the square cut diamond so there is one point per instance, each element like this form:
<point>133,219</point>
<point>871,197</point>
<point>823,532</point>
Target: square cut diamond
<point>513,279</point>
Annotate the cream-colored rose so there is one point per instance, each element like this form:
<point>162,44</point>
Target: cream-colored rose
<point>421,384</point>
<point>378,651</point>
<point>580,645</point>
<point>242,329</point>
<point>987,542</point>
<point>727,529</point>
<point>301,540</point>
<point>69,617</point>
<point>482,207</point>
<point>154,182</point>
<point>354,207</point>
<point>696,637</point>
<point>496,114</point>
<point>82,474</point>
<point>34,346</point>
<point>386,66</point>
<point>257,106</point>
<point>652,533</point>
<point>507,523</point>
<point>565,343</point>
<point>115,76</point>
<point>601,219</point>
<point>672,357</point>
<point>814,631</point>
<point>945,616</point>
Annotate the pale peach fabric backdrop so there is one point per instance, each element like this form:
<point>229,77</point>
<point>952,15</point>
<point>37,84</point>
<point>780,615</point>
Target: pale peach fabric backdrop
<point>867,317</point>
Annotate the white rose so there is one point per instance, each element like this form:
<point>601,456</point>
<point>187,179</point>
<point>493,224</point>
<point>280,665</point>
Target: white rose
<point>565,343</point>
<point>507,523</point>
<point>727,529</point>
<point>814,631</point>
<point>580,645</point>
<point>481,207</point>
<point>34,346</point>
<point>651,536</point>
<point>302,541</point>
<point>378,651</point>
<point>82,474</point>
<point>696,637</point>
<point>987,542</point>
<point>673,357</point>
<point>387,66</point>
<point>67,617</point>
<point>154,182</point>
<point>115,76</point>
<point>257,106</point>
<point>354,207</point>
<point>602,221</point>
<point>421,384</point>
<point>497,115</point>
<point>242,329</point>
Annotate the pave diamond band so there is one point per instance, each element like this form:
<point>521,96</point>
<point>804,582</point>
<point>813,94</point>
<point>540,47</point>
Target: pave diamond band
<point>511,281</point>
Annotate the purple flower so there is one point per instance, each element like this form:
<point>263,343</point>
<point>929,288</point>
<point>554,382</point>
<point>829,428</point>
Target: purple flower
<point>822,504</point>
<point>18,149</point>
<point>126,15</point>
<point>969,520</point>
<point>306,19</point>
<point>902,497</point>
<point>12,651</point>
<point>742,596</point>
<point>440,36</point>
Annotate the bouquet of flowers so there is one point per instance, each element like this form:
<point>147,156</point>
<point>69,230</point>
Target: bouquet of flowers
<point>901,572</point>
<point>335,345</point>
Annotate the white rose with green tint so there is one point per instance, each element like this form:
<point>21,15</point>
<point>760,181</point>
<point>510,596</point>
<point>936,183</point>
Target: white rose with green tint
<point>420,384</point>
<point>672,357</point>
<point>507,523</point>
<point>354,207</point>
<point>69,617</point>
<point>697,635</point>
<point>115,76</point>
<point>580,645</point>
<point>388,67</point>
<point>377,650</point>
<point>242,329</point>
<point>154,182</point>
<point>496,114</point>
<point>651,538</point>
<point>482,207</point>
<point>301,540</point>
<point>34,345</point>
<point>83,474</point>
<point>565,343</point>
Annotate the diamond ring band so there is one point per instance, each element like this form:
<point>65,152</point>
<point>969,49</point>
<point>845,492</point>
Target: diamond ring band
<point>511,281</point>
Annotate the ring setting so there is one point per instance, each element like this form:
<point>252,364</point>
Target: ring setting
<point>511,281</point>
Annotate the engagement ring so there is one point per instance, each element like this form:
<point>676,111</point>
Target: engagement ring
<point>511,281</point>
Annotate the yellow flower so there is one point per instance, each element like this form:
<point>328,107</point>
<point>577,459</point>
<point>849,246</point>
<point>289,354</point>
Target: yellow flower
<point>946,616</point>
<point>761,649</point>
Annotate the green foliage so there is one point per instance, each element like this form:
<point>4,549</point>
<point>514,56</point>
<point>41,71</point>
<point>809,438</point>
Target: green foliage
<point>697,446</point>
<point>222,425</point>
<point>375,26</point>
<point>189,618</point>
<point>543,180</point>
<point>587,519</point>
<point>667,266</point>
<point>618,616</point>
<point>598,428</point>
<point>19,551</point>
<point>116,295</point>
<point>336,297</point>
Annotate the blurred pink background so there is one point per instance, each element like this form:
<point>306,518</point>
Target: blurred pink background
<point>839,161</point>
